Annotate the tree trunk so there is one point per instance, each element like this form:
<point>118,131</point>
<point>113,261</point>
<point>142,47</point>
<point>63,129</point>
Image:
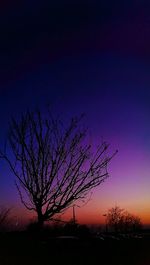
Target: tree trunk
<point>40,219</point>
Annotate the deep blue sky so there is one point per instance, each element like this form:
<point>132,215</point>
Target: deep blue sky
<point>83,56</point>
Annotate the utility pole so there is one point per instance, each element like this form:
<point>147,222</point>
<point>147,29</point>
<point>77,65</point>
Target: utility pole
<point>73,213</point>
<point>106,226</point>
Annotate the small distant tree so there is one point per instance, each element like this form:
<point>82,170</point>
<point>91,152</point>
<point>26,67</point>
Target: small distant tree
<point>114,218</point>
<point>53,163</point>
<point>4,217</point>
<point>119,220</point>
<point>131,223</point>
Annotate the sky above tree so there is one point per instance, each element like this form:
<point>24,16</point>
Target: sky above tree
<point>89,57</point>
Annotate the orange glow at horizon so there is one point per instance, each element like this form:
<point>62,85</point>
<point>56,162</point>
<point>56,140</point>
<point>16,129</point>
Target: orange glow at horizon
<point>125,188</point>
<point>89,214</point>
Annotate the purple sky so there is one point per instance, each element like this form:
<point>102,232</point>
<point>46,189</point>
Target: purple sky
<point>84,56</point>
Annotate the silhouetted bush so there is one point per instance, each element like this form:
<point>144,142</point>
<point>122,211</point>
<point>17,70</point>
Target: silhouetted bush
<point>32,227</point>
<point>70,228</point>
<point>83,231</point>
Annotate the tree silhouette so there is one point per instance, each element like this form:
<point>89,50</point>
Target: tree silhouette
<point>114,218</point>
<point>53,164</point>
<point>4,217</point>
<point>120,220</point>
<point>131,223</point>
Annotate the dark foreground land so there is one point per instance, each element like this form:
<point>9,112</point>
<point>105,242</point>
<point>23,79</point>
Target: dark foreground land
<point>24,249</point>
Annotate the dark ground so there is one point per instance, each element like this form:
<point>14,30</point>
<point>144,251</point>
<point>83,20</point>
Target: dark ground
<point>24,249</point>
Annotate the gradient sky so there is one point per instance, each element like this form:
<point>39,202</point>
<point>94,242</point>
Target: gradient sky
<point>83,56</point>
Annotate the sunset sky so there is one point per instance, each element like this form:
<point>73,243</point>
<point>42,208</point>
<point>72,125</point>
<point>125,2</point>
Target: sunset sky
<point>89,57</point>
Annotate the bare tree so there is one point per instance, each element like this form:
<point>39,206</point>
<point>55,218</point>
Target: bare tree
<point>114,218</point>
<point>120,220</point>
<point>4,217</point>
<point>131,223</point>
<point>53,164</point>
